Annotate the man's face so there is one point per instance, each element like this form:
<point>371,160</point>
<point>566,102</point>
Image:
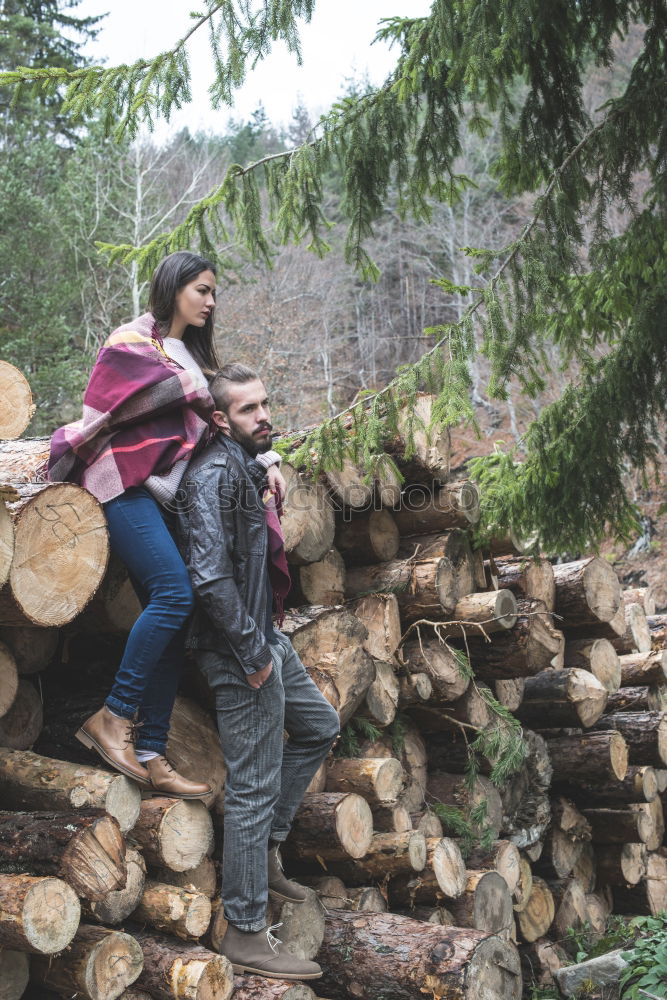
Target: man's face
<point>248,417</point>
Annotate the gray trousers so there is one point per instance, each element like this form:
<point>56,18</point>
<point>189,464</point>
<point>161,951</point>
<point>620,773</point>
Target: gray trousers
<point>266,775</point>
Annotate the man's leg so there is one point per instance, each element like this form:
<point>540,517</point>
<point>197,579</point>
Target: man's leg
<point>250,722</point>
<point>312,726</point>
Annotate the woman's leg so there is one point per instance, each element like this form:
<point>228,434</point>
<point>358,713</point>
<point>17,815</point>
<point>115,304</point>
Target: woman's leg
<point>141,538</point>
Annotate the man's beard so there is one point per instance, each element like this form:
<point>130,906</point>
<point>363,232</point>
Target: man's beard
<point>253,445</point>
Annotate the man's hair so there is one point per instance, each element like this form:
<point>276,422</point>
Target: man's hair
<point>235,373</point>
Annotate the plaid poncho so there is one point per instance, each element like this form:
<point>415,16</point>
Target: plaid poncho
<point>141,413</point>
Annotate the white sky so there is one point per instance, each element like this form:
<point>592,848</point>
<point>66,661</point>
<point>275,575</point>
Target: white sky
<point>336,44</point>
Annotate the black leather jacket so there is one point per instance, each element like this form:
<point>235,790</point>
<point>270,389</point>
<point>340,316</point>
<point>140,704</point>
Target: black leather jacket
<point>223,540</point>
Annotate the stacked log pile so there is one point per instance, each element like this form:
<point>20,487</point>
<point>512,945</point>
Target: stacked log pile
<point>421,644</point>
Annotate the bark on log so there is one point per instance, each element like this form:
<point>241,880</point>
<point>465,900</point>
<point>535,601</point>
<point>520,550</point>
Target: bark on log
<point>562,698</point>
<point>178,970</point>
<point>639,785</point>
<point>194,747</point>
<point>422,512</point>
<point>644,732</point>
<point>6,542</point>
<point>470,709</point>
<point>377,780</point>
<point>535,919</point>
<point>644,668</point>
<point>302,925</point>
<point>9,679</point>
<point>599,657</point>
<point>417,958</point>
<point>334,825</point>
<point>349,485</point>
<point>99,965</point>
<point>174,910</point>
<point>321,582</point>
<point>484,613</point>
<point>428,447</point>
<point>203,878</point>
<point>649,896</point>
<point>451,545</point>
<point>258,988</point>
<point>424,588</point>
<point>530,579</point>
<point>485,904</point>
<point>174,833</point>
<point>28,781</point>
<point>14,974</point>
<point>329,642</point>
<point>587,591</point>
<point>438,661</point>
<point>628,631</point>
<point>17,405</point>
<point>85,849</point>
<point>531,646</point>
<point>636,823</point>
<point>61,549</point>
<point>116,906</point>
<point>621,864</point>
<point>32,648</point>
<point>308,522</point>
<point>443,877</point>
<point>380,614</point>
<point>391,818</point>
<point>22,722</point>
<point>598,756</point>
<point>638,699</point>
<point>388,855</point>
<point>370,537</point>
<point>381,701</point>
<point>37,915</point>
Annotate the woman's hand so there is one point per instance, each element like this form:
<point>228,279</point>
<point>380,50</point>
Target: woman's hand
<point>276,481</point>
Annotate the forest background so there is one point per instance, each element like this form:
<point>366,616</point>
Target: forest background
<point>319,330</point>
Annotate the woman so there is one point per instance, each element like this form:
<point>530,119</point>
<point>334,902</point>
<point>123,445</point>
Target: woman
<point>147,409</point>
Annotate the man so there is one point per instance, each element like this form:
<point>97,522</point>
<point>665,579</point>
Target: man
<point>233,549</point>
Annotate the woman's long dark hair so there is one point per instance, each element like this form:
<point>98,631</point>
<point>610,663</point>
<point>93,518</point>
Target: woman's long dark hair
<point>169,277</point>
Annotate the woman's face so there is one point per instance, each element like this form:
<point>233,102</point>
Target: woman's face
<point>194,303</point>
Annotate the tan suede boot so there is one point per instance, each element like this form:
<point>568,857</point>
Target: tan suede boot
<point>281,887</point>
<point>260,952</point>
<point>165,780</point>
<point>113,739</point>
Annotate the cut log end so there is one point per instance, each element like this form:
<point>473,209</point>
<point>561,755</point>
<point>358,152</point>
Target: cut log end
<point>17,406</point>
<point>61,535</point>
<point>354,825</point>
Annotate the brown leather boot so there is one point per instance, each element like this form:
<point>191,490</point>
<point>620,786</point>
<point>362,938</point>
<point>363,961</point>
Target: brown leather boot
<point>113,739</point>
<point>167,781</point>
<point>260,952</point>
<point>281,887</point>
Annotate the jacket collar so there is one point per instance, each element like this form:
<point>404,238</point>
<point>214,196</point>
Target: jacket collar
<point>256,471</point>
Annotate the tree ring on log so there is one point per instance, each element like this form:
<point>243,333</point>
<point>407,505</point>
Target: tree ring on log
<point>61,553</point>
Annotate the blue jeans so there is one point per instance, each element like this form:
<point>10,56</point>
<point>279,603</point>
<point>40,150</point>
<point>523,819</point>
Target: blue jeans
<point>146,682</point>
<point>266,777</point>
